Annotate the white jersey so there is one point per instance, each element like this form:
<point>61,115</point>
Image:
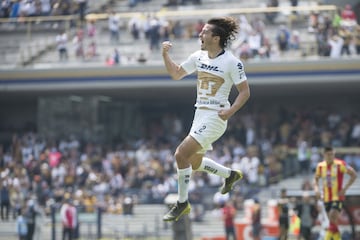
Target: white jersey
<point>215,77</point>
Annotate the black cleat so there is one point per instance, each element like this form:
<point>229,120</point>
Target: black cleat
<point>235,176</point>
<point>178,210</point>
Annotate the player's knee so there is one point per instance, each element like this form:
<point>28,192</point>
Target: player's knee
<point>334,215</point>
<point>179,156</point>
<point>195,163</point>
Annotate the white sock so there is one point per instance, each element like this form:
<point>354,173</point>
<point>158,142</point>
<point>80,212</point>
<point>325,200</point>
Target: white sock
<point>183,181</point>
<point>210,166</point>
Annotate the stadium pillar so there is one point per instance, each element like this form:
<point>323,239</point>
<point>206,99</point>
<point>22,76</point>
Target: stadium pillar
<point>53,221</point>
<point>182,228</point>
<point>99,221</point>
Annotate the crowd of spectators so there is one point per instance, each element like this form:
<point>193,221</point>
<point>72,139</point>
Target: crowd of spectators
<point>32,8</point>
<point>326,34</point>
<point>322,34</point>
<point>266,147</point>
<point>256,41</point>
<point>331,35</point>
<point>336,36</point>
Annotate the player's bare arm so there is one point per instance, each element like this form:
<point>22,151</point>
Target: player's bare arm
<point>351,172</point>
<point>316,187</point>
<point>241,99</point>
<point>175,70</point>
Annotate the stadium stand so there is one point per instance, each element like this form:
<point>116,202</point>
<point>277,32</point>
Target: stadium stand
<point>45,53</point>
<point>81,157</point>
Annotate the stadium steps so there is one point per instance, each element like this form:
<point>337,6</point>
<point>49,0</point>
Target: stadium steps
<point>129,51</point>
<point>97,6</point>
<point>18,48</point>
<point>8,230</point>
<point>148,6</point>
<point>157,5</point>
<point>152,6</point>
<point>146,222</point>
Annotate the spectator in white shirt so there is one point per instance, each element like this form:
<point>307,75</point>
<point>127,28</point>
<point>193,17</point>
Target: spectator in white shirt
<point>61,41</point>
<point>250,166</point>
<point>254,40</point>
<point>336,43</point>
<point>114,25</point>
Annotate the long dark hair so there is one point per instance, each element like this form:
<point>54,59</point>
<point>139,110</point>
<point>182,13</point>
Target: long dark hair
<point>224,27</point>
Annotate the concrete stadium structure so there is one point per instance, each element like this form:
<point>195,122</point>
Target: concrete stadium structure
<point>271,82</point>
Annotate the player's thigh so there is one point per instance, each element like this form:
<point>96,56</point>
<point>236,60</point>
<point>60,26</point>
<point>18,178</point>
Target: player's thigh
<point>334,214</point>
<point>335,210</point>
<point>187,148</point>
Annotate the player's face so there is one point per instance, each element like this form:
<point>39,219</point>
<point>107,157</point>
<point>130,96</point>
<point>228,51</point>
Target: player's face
<point>329,156</point>
<point>206,37</point>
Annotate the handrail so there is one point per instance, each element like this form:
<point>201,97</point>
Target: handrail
<point>39,19</point>
<point>338,150</point>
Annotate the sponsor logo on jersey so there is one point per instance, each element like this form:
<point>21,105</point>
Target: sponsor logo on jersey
<point>210,68</point>
<point>207,102</point>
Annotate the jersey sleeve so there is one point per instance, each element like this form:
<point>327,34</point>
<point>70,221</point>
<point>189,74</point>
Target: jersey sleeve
<point>237,72</point>
<point>189,65</point>
<point>343,166</point>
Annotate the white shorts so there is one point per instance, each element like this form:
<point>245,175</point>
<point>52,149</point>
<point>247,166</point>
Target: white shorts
<point>207,127</point>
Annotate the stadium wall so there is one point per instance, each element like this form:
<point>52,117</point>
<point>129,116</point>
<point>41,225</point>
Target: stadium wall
<point>262,73</point>
<point>30,98</point>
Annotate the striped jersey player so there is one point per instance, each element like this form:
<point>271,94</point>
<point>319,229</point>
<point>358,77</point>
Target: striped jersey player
<point>332,171</point>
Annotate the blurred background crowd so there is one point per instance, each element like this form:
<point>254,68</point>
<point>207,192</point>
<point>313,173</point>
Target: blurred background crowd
<point>266,147</point>
<point>269,143</point>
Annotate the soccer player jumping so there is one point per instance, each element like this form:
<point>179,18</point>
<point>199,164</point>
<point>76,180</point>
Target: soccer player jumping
<point>217,71</point>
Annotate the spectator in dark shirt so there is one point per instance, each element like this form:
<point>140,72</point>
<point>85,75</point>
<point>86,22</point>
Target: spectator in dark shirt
<point>229,213</point>
<point>5,200</point>
<point>307,212</point>
<point>256,220</point>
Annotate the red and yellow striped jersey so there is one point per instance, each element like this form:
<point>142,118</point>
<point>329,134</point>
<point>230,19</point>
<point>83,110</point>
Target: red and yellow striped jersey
<point>332,177</point>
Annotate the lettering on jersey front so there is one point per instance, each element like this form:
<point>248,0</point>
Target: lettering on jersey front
<point>209,68</point>
<point>208,84</point>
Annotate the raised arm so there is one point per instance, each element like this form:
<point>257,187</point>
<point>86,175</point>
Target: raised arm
<point>176,71</point>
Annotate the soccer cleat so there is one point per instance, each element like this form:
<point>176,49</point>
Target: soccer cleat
<point>235,176</point>
<point>178,210</point>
